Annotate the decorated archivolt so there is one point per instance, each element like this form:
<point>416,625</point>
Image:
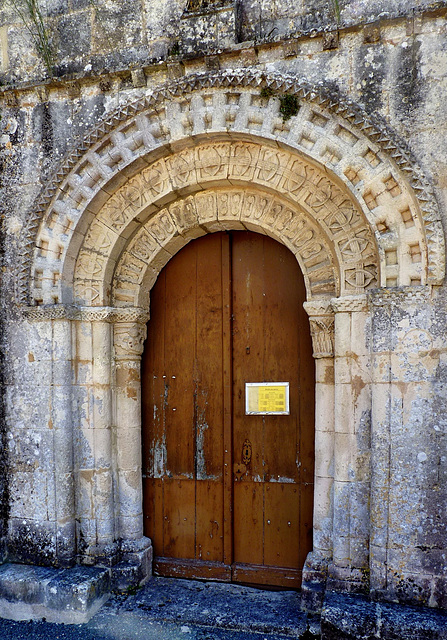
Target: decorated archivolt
<point>209,152</point>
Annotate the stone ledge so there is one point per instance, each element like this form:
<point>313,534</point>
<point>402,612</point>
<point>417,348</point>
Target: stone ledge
<point>348,617</point>
<point>70,596</point>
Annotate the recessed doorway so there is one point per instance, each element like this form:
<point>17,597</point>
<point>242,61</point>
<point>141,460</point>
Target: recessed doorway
<point>228,491</point>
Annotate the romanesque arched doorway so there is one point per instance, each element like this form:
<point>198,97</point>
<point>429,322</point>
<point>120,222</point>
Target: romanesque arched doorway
<point>228,469</point>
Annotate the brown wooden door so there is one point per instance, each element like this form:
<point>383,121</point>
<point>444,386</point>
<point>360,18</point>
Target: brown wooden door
<point>227,495</point>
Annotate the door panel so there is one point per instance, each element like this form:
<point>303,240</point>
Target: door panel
<point>268,318</point>
<point>182,384</point>
<point>228,496</point>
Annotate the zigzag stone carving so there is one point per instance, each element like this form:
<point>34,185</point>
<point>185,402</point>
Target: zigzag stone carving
<point>367,159</point>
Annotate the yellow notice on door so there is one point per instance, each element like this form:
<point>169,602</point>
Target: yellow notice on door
<point>267,398</point>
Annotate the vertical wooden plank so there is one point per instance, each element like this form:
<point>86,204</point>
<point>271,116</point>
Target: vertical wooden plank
<point>249,520</point>
<point>209,521</point>
<point>307,392</point>
<point>282,522</point>
<point>248,357</point>
<point>208,377</point>
<point>248,345</point>
<point>153,419</point>
<point>179,347</point>
<point>208,384</point>
<point>152,393</point>
<point>179,518</point>
<point>281,355</point>
<point>227,379</point>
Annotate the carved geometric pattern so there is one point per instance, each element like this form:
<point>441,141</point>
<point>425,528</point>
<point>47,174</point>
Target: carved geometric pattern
<point>331,215</point>
<point>87,314</point>
<point>229,102</point>
<point>172,227</point>
<point>350,304</point>
<point>400,297</point>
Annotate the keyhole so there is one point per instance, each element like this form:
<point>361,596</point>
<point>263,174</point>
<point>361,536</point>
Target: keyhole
<point>246,452</point>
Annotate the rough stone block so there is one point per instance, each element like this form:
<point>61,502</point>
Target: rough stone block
<point>347,617</point>
<point>70,596</point>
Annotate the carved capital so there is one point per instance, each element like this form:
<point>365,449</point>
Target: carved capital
<point>322,332</point>
<point>318,307</point>
<point>322,325</point>
<point>129,339</point>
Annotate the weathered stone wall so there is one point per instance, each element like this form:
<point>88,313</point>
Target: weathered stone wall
<point>390,58</point>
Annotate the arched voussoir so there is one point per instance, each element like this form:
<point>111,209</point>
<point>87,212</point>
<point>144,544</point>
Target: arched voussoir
<point>214,130</point>
<point>216,210</point>
<point>231,184</point>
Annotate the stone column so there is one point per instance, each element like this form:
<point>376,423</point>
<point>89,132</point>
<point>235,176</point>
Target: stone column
<point>321,320</point>
<point>349,569</point>
<point>408,492</point>
<point>94,452</point>
<point>43,504</point>
<point>136,550</point>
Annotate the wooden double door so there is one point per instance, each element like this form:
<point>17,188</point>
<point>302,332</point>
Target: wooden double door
<point>228,496</point>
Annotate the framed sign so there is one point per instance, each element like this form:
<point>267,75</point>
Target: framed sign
<point>267,399</point>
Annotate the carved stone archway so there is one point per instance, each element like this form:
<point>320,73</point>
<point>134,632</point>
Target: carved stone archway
<point>204,154</point>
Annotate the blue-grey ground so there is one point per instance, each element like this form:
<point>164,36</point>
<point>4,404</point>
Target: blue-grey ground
<point>168,609</point>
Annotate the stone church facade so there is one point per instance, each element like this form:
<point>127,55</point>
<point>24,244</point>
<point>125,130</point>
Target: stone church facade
<point>161,123</point>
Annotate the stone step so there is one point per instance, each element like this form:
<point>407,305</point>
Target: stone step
<point>70,596</point>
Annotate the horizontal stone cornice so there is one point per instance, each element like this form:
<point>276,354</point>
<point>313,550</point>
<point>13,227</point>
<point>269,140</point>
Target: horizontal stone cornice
<point>86,314</point>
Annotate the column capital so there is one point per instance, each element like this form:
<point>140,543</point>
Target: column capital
<point>322,330</point>
<point>318,307</point>
<point>128,339</point>
<point>321,321</point>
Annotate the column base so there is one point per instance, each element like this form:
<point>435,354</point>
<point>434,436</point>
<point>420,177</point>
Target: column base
<point>135,565</point>
<point>313,586</point>
<point>347,579</point>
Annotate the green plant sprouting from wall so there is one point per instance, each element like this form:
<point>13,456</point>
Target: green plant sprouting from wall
<point>30,13</point>
<point>336,4</point>
<point>288,103</point>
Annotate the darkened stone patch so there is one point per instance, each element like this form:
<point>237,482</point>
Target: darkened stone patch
<point>56,7</point>
<point>74,35</point>
<point>87,115</point>
<point>370,71</point>
<point>114,23</point>
<point>408,92</point>
<point>43,127</point>
<point>318,14</point>
<point>32,543</point>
